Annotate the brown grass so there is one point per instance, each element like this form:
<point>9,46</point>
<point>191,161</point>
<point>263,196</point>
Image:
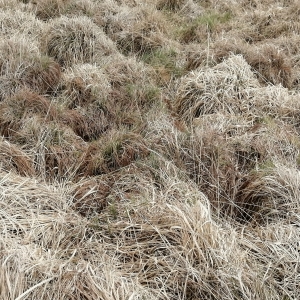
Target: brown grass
<point>90,195</point>
<point>75,40</point>
<point>48,9</point>
<point>137,30</point>
<point>26,102</point>
<point>218,89</point>
<point>85,84</point>
<point>173,5</point>
<point>271,65</point>
<point>44,76</point>
<point>88,123</point>
<point>14,159</point>
<point>149,149</point>
<point>15,21</point>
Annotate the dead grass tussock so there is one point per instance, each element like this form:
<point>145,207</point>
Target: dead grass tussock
<point>134,90</point>
<point>222,88</point>
<point>172,5</point>
<point>44,75</point>
<point>19,108</point>
<point>16,55</point>
<point>122,148</point>
<point>117,149</point>
<point>85,84</point>
<point>271,65</point>
<point>195,56</point>
<point>55,149</point>
<point>167,62</point>
<point>21,64</point>
<point>191,9</point>
<point>90,194</point>
<point>75,40</point>
<point>105,10</point>
<point>42,228</point>
<point>205,242</point>
<point>122,70</point>
<point>12,158</point>
<point>282,184</point>
<point>137,30</point>
<point>24,103</point>
<point>58,152</point>
<point>225,169</point>
<point>48,9</point>
<point>227,155</point>
<point>7,4</point>
<point>15,21</point>
<point>223,48</point>
<point>227,88</point>
<point>88,123</point>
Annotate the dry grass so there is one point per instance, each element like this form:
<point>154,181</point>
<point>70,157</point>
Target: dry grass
<point>149,149</point>
<point>48,9</point>
<point>137,30</point>
<point>83,84</point>
<point>14,159</point>
<point>17,21</point>
<point>75,40</point>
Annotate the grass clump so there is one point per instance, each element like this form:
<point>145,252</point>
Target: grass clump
<point>138,30</point>
<point>23,65</point>
<point>164,63</point>
<point>216,89</point>
<point>271,64</point>
<point>198,28</point>
<point>85,84</point>
<point>88,123</point>
<point>75,40</point>
<point>172,5</point>
<point>49,9</point>
<point>15,160</point>
<point>115,151</point>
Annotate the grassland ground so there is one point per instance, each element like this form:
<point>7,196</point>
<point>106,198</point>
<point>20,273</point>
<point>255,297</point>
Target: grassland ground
<point>149,149</point>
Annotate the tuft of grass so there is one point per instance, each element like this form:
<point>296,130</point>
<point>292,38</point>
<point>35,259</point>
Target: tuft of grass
<point>197,29</point>
<point>173,5</point>
<point>139,30</point>
<point>85,84</point>
<point>271,65</point>
<point>13,159</point>
<point>216,89</point>
<point>75,40</point>
<point>88,123</point>
<point>164,63</point>
<point>122,149</point>
<point>49,9</point>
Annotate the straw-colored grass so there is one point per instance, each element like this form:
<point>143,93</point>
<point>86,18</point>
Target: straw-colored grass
<point>85,84</point>
<point>149,149</point>
<point>75,40</point>
<point>137,30</point>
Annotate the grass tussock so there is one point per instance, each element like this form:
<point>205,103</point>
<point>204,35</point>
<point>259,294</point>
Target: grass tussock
<point>172,5</point>
<point>137,30</point>
<point>272,65</point>
<point>49,9</point>
<point>14,159</point>
<point>149,149</point>
<point>85,84</point>
<point>17,21</point>
<point>218,89</point>
<point>88,123</point>
<point>75,40</point>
